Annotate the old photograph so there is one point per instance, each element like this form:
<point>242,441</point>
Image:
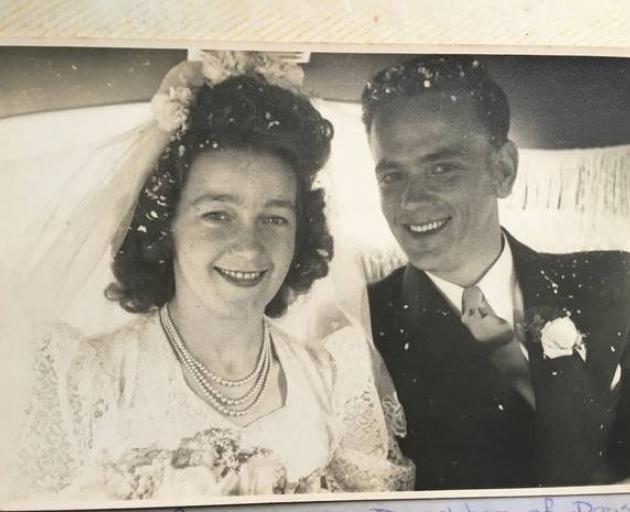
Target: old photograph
<point>231,273</point>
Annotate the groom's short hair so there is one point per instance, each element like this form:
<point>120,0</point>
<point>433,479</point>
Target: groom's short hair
<point>452,76</point>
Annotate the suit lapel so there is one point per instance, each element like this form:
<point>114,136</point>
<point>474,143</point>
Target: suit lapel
<point>540,291</point>
<point>573,399</point>
<point>458,404</point>
<point>431,319</point>
<point>552,287</point>
<point>438,339</point>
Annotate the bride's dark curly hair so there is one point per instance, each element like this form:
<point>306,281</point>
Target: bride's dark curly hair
<point>243,112</point>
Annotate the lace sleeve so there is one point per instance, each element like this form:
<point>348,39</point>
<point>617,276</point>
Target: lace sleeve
<point>54,428</point>
<point>367,457</point>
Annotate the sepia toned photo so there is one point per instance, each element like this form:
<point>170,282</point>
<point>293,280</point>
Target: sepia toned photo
<point>233,274</point>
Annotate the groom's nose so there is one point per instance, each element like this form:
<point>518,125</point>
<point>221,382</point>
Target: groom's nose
<point>415,193</point>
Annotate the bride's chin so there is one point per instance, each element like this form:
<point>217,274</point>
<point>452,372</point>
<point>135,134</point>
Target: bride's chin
<point>223,300</point>
<point>239,309</point>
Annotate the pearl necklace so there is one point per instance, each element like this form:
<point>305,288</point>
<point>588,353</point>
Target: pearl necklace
<point>203,376</point>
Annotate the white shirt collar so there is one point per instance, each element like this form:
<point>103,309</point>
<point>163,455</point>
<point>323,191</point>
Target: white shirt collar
<point>498,285</point>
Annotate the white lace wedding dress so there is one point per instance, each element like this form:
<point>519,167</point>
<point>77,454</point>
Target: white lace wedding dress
<point>112,417</point>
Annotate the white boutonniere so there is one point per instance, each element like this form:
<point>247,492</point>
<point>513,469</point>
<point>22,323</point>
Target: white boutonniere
<point>560,337</point>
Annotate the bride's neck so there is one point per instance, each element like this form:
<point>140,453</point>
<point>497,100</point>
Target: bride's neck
<point>225,343</point>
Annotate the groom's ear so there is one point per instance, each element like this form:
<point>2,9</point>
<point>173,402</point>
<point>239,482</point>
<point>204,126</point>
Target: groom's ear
<point>506,166</point>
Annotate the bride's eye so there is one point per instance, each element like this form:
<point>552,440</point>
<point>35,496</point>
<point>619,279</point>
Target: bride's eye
<point>216,216</point>
<point>275,220</point>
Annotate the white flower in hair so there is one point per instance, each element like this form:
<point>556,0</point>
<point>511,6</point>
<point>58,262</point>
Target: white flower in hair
<point>218,66</point>
<point>278,71</point>
<point>171,110</point>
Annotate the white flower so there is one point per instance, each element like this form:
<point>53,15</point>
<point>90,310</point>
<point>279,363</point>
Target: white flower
<point>560,337</point>
<point>180,94</point>
<point>219,66</point>
<point>171,110</point>
<point>278,71</point>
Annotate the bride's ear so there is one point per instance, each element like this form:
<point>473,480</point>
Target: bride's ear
<point>506,167</point>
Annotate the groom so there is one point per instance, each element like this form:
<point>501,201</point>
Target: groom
<point>512,366</point>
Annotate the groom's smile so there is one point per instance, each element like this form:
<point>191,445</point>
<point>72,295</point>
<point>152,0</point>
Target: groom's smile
<point>427,228</point>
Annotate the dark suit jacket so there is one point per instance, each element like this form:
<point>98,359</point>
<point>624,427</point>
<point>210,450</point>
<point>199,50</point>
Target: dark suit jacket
<point>467,427</point>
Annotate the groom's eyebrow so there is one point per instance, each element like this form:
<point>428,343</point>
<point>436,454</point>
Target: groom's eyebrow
<point>384,165</point>
<point>442,154</point>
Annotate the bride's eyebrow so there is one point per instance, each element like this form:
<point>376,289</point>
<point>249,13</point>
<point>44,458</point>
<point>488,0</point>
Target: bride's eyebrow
<point>219,198</point>
<point>232,199</point>
<point>280,203</point>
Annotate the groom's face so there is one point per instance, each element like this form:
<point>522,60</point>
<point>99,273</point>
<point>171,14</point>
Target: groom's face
<point>439,177</point>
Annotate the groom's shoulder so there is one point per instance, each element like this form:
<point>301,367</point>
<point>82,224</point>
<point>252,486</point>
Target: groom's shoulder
<point>606,262</point>
<point>590,261</point>
<point>609,269</point>
<point>387,289</point>
<point>384,297</point>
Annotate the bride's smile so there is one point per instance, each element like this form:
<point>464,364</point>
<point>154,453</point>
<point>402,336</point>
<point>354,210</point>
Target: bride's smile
<point>241,278</point>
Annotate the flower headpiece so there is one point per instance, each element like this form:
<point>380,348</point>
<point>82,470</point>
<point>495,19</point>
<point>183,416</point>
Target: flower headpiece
<point>171,105</point>
<point>219,66</point>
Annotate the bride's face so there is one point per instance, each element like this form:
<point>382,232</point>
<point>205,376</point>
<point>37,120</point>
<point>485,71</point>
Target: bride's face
<point>234,231</point>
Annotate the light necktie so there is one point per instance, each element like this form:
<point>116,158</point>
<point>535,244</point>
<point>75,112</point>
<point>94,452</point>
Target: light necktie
<point>498,336</point>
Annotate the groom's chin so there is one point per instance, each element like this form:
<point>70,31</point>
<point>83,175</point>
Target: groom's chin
<point>424,259</point>
<point>422,254</point>
<point>425,263</point>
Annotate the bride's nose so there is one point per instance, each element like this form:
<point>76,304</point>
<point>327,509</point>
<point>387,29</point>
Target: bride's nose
<point>248,241</point>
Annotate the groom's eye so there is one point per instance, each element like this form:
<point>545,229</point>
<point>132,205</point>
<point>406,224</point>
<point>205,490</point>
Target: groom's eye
<point>445,168</point>
<point>387,178</point>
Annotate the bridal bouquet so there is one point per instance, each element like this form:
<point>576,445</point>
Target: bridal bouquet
<point>210,463</point>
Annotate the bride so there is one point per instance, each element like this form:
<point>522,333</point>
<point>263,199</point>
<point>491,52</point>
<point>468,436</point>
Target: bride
<point>203,393</point>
